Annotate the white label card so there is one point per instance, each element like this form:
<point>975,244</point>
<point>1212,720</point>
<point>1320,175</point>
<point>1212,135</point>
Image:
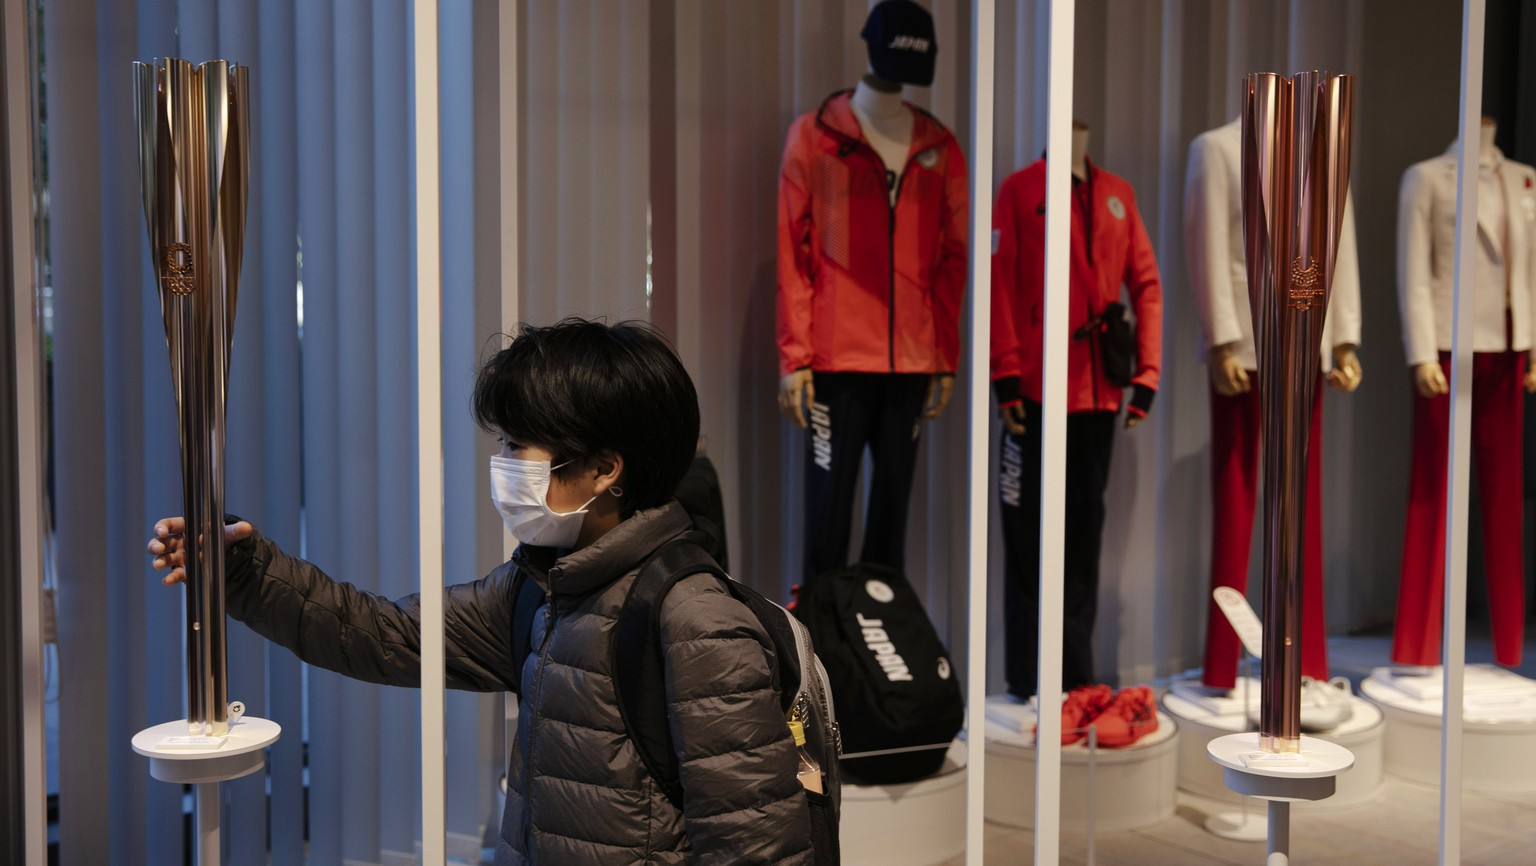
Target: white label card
<point>1244,621</point>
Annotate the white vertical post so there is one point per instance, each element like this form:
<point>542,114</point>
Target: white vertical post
<point>509,82</point>
<point>429,456</point>
<point>1453,651</point>
<point>210,815</point>
<point>979,413</point>
<point>27,325</point>
<point>1053,481</point>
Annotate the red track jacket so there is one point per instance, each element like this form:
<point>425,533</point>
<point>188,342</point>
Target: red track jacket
<point>1103,209</point>
<point>863,286</point>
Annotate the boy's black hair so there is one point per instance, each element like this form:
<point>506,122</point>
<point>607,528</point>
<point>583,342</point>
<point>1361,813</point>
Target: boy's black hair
<point>580,387</point>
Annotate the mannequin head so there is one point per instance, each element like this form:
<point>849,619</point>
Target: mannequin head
<point>901,43</point>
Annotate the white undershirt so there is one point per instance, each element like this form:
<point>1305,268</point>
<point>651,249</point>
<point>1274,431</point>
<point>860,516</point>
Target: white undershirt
<point>887,125</point>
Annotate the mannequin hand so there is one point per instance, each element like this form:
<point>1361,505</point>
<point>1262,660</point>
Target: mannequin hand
<point>168,544</point>
<point>1429,380</point>
<point>1132,419</point>
<point>796,391</point>
<point>1346,374</point>
<point>1013,418</point>
<point>940,388</point>
<point>1227,374</point>
<point>1530,378</point>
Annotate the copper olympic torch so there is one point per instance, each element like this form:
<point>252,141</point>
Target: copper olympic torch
<point>194,157</point>
<point>1296,142</point>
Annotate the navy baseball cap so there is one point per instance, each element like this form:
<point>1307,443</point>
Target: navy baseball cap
<point>901,42</point>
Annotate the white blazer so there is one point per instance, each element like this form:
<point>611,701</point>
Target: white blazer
<point>1213,249</point>
<point>1426,257</point>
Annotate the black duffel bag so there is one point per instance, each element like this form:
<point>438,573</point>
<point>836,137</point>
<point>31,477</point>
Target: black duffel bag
<point>894,688</point>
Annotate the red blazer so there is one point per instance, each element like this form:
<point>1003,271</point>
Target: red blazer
<point>865,287</point>
<point>1103,210</point>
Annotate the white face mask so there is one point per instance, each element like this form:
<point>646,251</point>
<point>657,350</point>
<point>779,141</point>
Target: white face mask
<point>520,489</point>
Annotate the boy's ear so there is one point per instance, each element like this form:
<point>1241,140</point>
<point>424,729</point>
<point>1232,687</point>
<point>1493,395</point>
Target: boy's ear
<point>610,467</point>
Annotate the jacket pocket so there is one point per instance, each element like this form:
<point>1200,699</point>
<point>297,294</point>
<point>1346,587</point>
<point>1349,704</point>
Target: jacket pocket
<point>823,829</point>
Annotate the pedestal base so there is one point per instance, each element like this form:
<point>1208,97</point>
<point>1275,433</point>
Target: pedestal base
<point>1363,734</point>
<point>1498,742</point>
<point>1314,777</point>
<point>914,824</point>
<point>1119,789</point>
<point>241,753</point>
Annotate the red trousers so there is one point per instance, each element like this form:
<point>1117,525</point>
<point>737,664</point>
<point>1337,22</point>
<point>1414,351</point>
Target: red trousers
<point>1497,412</point>
<point>1235,434</point>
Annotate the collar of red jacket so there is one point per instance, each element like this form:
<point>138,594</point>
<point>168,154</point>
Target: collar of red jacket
<point>1087,162</point>
<point>836,117</point>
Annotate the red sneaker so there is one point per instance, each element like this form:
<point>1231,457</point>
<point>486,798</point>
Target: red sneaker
<point>1131,716</point>
<point>1083,705</point>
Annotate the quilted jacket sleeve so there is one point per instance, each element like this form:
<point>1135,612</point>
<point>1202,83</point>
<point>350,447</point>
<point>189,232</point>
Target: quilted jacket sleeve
<point>341,628</point>
<point>797,278</point>
<point>741,800</point>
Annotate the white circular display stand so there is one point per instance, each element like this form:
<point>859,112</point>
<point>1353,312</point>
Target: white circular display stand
<point>241,753</point>
<point>1119,789</point>
<point>1363,734</point>
<point>913,824</point>
<point>1312,776</point>
<point>1498,740</point>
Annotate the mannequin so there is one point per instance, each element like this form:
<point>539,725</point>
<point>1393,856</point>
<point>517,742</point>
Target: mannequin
<point>1213,246</point>
<point>873,208</point>
<point>1110,249</point>
<point>1504,324</point>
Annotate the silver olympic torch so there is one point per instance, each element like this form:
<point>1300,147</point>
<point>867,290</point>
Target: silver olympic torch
<point>194,159</point>
<point>1296,142</point>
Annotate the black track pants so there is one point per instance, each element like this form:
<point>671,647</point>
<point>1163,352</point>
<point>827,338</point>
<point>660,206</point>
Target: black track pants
<point>852,411</point>
<point>1090,443</point>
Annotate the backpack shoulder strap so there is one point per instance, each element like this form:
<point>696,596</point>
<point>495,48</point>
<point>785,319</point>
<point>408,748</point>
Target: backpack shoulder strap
<point>636,657</point>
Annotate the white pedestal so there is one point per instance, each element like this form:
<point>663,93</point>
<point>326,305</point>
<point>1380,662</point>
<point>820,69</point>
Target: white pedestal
<point>1363,734</point>
<point>1119,788</point>
<point>1313,776</point>
<point>916,824</point>
<point>1498,743</point>
<point>241,753</point>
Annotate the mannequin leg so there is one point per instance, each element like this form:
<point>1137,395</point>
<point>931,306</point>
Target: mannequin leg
<point>1019,507</point>
<point>1314,622</point>
<point>893,441</point>
<point>1090,444</point>
<point>1421,584</point>
<point>1497,411</point>
<point>832,466</point>
<point>1235,434</point>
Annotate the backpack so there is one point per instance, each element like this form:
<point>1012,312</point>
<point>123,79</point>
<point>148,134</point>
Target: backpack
<point>639,675</point>
<point>896,690</point>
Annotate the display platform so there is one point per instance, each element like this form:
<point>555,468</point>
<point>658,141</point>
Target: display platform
<point>1498,744</point>
<point>1119,789</point>
<point>1201,721</point>
<point>919,823</point>
<point>240,753</point>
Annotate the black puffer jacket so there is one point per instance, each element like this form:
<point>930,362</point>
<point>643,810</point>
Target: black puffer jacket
<point>579,792</point>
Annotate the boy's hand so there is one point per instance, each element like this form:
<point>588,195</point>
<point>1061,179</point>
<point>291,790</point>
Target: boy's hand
<point>168,545</point>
